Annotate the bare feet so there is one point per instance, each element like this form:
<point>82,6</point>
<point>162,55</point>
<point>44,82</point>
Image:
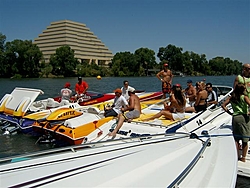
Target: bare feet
<point>243,159</point>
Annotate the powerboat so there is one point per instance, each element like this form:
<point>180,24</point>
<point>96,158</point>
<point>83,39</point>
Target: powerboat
<point>159,160</point>
<point>15,105</point>
<point>67,126</point>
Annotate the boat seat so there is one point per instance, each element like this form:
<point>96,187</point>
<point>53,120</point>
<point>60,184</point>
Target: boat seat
<point>51,103</point>
<point>64,102</point>
<point>4,101</point>
<point>93,110</point>
<point>80,120</point>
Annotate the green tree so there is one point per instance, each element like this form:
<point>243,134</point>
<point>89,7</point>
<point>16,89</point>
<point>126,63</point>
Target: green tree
<point>63,62</point>
<point>2,42</point>
<point>124,64</point>
<point>22,57</point>
<point>172,55</point>
<point>46,70</point>
<point>145,59</point>
<point>2,55</point>
<point>217,65</point>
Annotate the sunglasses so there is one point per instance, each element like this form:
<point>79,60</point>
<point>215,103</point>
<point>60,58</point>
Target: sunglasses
<point>247,68</point>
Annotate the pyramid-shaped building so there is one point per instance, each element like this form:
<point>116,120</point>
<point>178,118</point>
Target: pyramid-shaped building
<point>87,47</point>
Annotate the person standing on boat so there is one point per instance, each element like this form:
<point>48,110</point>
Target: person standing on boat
<point>240,120</point>
<point>244,78</point>
<point>81,88</point>
<point>125,89</point>
<point>134,111</point>
<point>119,102</point>
<point>166,77</point>
<point>66,92</point>
<point>190,93</point>
<point>176,109</point>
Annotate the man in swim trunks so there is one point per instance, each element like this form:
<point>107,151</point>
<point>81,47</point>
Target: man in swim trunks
<point>244,78</point>
<point>134,111</point>
<point>166,77</point>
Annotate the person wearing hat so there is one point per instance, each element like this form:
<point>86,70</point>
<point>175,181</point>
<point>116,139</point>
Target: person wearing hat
<point>66,92</point>
<point>119,102</point>
<point>165,76</point>
<point>81,88</point>
<point>133,110</point>
<point>190,93</point>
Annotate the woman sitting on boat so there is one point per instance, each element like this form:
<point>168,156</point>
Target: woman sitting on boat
<point>201,99</point>
<point>176,109</point>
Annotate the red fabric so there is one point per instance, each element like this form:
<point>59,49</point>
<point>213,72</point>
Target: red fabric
<point>80,88</point>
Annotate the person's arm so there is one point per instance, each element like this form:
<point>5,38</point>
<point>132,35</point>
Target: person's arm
<point>224,106</point>
<point>131,105</point>
<point>171,77</point>
<point>158,75</point>
<point>86,87</point>
<point>197,101</point>
<point>247,100</point>
<point>236,81</point>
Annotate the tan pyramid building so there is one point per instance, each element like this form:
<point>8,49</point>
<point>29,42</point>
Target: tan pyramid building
<point>87,47</point>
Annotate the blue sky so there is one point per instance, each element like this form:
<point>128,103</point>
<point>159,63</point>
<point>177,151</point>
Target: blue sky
<point>211,27</point>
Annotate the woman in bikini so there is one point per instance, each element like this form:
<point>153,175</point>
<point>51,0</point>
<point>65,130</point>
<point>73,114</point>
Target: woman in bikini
<point>200,103</point>
<point>176,109</point>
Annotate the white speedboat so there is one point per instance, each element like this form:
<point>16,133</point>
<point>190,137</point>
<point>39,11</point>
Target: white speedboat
<point>179,160</point>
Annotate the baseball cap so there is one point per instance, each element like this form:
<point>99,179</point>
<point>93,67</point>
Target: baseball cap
<point>67,84</point>
<point>178,85</point>
<point>79,78</point>
<point>118,90</point>
<point>165,65</point>
<point>189,81</point>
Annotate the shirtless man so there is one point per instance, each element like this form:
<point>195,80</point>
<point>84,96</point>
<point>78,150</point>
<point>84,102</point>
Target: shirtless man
<point>190,93</point>
<point>134,109</point>
<point>244,78</point>
<point>166,77</point>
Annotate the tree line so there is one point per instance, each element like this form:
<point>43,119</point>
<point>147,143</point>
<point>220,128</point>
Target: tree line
<point>23,59</point>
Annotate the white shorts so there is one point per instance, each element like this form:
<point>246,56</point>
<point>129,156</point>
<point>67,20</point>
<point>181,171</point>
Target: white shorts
<point>178,116</point>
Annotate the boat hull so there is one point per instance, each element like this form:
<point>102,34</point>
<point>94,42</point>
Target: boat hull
<point>171,161</point>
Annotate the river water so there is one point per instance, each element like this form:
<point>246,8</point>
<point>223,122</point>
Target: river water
<point>19,143</point>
